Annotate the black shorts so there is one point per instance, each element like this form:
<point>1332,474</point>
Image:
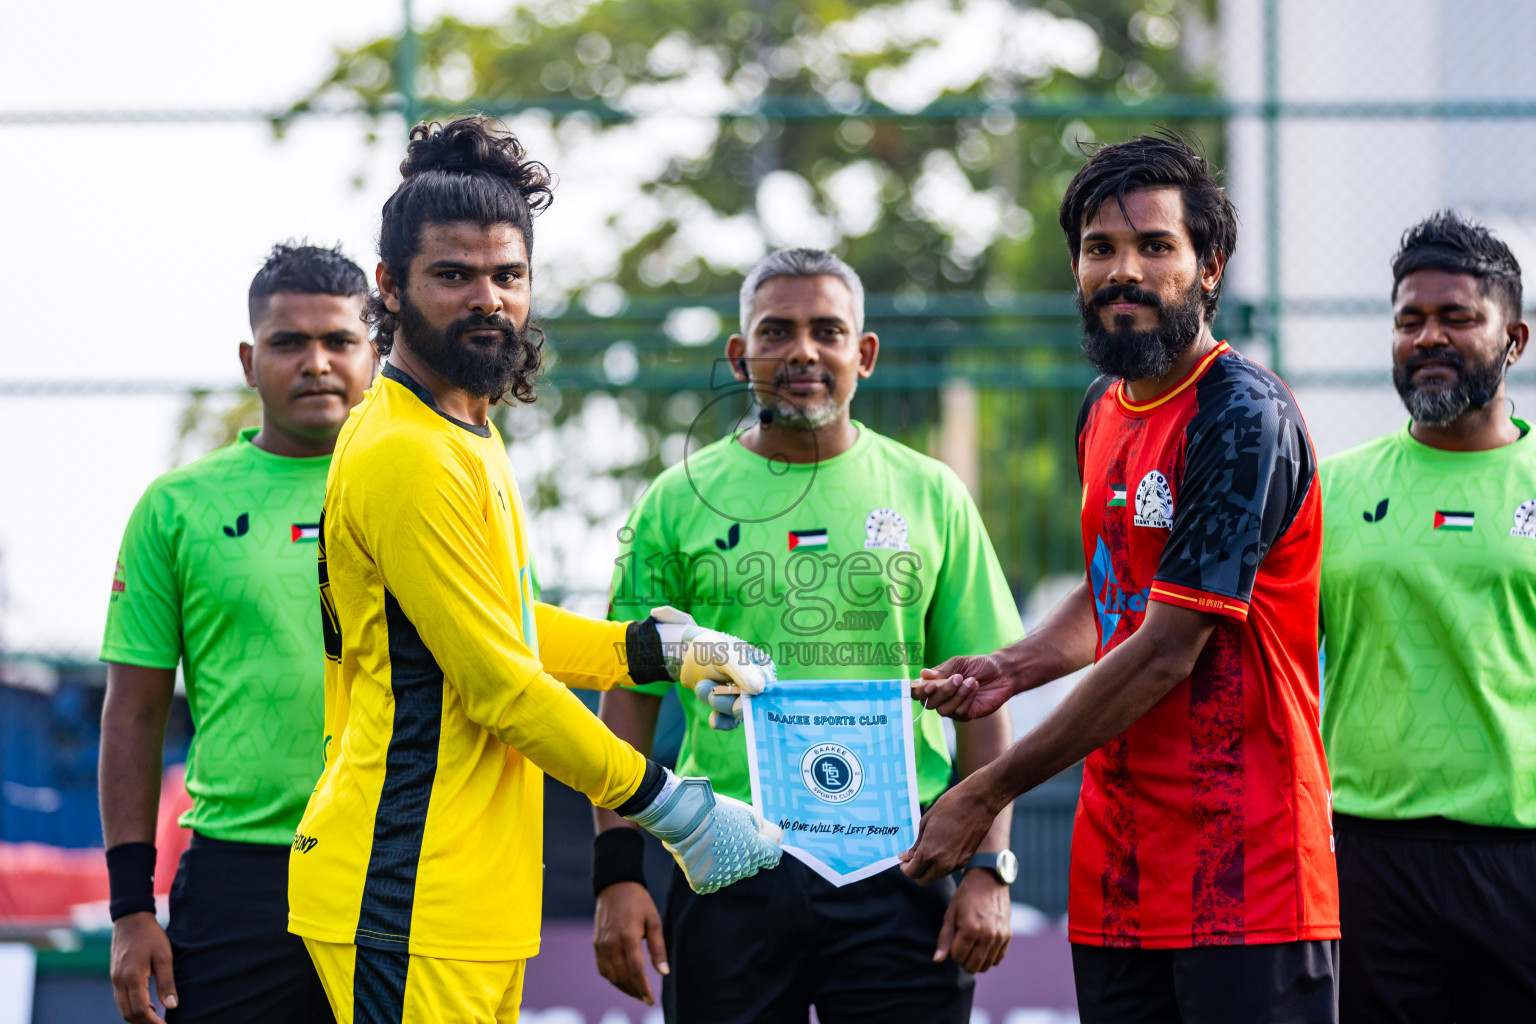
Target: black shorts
<point>231,954</point>
<point>1439,921</point>
<point>763,951</point>
<point>1282,983</point>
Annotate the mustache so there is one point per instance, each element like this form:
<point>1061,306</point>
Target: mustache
<point>1121,351</point>
<point>1123,293</point>
<point>1442,357</point>
<point>479,322</point>
<point>787,376</point>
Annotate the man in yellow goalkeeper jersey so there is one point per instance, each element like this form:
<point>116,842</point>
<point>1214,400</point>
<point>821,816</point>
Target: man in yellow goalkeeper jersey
<point>416,874</point>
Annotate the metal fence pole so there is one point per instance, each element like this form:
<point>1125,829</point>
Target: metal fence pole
<point>405,66</point>
<point>1271,109</point>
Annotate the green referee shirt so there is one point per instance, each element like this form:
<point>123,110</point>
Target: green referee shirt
<point>1429,611</point>
<point>217,571</point>
<point>869,565</point>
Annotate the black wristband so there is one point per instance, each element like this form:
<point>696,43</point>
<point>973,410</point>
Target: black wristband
<point>131,878</point>
<point>618,855</point>
<point>643,652</point>
<point>650,784</point>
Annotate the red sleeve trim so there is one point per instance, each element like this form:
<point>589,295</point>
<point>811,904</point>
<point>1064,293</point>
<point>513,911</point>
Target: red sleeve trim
<point>1200,600</point>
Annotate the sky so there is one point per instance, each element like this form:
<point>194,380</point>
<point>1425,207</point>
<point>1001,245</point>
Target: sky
<point>132,246</point>
<point>128,250</point>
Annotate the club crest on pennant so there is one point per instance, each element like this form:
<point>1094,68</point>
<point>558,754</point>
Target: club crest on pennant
<point>832,773</point>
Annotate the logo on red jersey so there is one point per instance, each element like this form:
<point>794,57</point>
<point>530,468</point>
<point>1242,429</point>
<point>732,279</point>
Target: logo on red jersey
<point>1110,598</point>
<point>1154,502</point>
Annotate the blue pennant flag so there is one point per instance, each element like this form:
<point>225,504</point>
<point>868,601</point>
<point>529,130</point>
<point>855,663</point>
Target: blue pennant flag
<point>832,765</point>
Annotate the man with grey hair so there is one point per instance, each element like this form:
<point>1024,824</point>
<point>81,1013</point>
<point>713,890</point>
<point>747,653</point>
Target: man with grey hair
<point>782,530</point>
<point>816,410</point>
<point>800,263</point>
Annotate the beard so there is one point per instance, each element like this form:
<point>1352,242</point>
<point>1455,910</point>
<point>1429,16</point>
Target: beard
<point>485,371</point>
<point>806,415</point>
<point>1124,352</point>
<point>1439,405</point>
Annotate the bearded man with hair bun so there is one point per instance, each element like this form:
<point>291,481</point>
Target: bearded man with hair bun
<point>416,872</point>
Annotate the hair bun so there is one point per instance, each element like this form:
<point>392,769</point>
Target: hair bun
<point>469,145</point>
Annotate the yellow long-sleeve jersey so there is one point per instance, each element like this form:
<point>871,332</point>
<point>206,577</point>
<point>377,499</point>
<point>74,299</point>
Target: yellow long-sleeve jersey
<point>425,831</point>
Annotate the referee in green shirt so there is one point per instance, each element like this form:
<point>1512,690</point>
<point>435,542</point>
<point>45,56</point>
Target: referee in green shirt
<point>853,557</point>
<point>217,574</point>
<point>1429,697</point>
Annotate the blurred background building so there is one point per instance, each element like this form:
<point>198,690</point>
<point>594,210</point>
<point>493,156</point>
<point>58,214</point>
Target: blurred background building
<point>153,154</point>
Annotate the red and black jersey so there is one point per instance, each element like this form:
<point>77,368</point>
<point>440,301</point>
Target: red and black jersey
<point>1207,821</point>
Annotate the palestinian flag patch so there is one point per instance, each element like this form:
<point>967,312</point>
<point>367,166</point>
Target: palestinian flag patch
<point>1115,496</point>
<point>1453,521</point>
<point>305,531</point>
<point>807,539</point>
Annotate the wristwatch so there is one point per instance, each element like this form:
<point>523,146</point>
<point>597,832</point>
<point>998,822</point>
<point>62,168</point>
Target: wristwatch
<point>1003,864</point>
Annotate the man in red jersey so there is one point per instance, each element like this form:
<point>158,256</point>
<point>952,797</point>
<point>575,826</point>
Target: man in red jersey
<point>1203,881</point>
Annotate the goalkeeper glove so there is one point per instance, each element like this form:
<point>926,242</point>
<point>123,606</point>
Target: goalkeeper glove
<point>707,661</point>
<point>716,840</point>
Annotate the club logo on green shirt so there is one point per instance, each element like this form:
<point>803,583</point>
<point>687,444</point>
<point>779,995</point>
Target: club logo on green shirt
<point>1381,512</point>
<point>242,525</point>
<point>886,528</point>
<point>1525,520</point>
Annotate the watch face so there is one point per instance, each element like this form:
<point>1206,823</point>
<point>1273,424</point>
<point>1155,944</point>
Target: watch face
<point>1007,867</point>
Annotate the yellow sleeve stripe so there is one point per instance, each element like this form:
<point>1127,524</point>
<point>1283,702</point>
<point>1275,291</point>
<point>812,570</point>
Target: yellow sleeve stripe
<point>1184,597</point>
